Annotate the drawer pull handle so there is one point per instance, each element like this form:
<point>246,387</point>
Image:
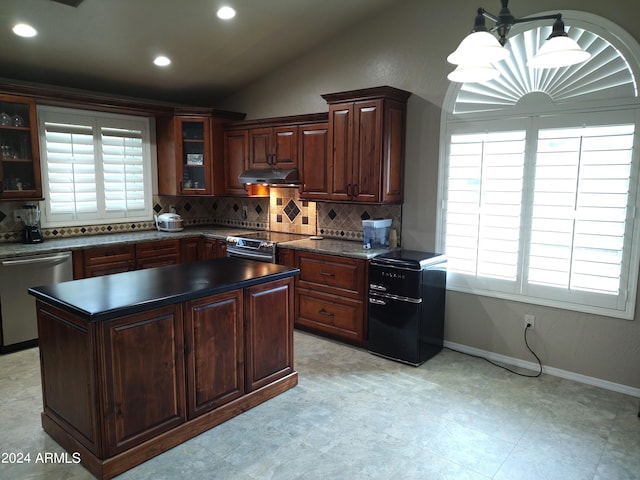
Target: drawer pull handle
<point>325,313</point>
<point>327,274</point>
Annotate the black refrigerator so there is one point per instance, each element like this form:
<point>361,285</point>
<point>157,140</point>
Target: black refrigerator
<point>407,290</point>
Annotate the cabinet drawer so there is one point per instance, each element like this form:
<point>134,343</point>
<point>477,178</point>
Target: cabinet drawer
<point>111,254</point>
<point>332,274</point>
<point>327,313</point>
<point>156,249</point>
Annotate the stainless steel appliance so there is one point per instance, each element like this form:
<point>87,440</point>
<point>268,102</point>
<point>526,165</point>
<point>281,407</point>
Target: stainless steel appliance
<point>406,305</point>
<point>261,246</point>
<point>30,215</point>
<point>19,325</point>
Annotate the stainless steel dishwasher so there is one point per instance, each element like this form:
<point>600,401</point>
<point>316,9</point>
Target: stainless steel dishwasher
<point>17,307</point>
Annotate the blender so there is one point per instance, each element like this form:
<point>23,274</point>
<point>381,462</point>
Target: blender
<point>31,220</point>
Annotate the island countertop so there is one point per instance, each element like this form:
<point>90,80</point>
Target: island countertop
<point>111,296</point>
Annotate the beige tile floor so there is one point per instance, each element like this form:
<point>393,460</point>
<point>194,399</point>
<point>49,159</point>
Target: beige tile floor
<point>357,416</point>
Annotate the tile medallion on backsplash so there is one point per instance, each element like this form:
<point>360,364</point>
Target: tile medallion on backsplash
<point>291,210</point>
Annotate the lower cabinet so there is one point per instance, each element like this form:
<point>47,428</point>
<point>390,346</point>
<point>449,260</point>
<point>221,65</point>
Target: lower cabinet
<point>331,296</point>
<point>124,390</point>
<point>157,254</point>
<point>214,351</point>
<point>143,359</point>
<point>269,332</point>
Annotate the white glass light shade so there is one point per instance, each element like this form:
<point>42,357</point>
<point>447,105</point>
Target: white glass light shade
<point>478,46</point>
<point>473,73</point>
<point>558,52</point>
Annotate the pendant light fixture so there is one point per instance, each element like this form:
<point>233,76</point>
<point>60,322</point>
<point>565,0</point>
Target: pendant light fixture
<point>480,49</point>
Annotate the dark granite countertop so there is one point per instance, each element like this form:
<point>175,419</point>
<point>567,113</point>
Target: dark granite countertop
<point>8,250</point>
<point>345,248</point>
<point>112,296</point>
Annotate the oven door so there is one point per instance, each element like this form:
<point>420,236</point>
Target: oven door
<point>250,254</point>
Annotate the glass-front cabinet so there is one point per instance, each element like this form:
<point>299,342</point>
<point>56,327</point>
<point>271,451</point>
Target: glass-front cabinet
<point>20,155</point>
<point>184,155</point>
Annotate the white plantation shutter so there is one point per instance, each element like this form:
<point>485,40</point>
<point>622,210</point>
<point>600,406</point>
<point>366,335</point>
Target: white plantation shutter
<point>123,167</point>
<point>70,168</point>
<point>485,181</point>
<point>582,182</point>
<point>96,167</point>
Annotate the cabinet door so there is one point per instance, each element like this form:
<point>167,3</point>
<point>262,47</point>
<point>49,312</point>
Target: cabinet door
<point>214,343</point>
<point>340,151</point>
<point>285,147</point>
<point>236,160</point>
<point>157,254</point>
<point>195,156</point>
<point>312,160</point>
<point>184,155</point>
<point>20,155</point>
<point>212,248</point>
<point>143,363</point>
<point>260,148</point>
<point>190,249</point>
<point>367,152</point>
<point>268,332</point>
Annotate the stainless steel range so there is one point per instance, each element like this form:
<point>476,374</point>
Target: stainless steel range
<point>261,246</point>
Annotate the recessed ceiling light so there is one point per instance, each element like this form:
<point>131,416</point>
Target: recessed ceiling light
<point>225,13</point>
<point>162,61</point>
<point>24,30</point>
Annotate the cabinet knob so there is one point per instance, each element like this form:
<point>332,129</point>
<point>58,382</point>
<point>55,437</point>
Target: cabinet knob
<point>326,313</point>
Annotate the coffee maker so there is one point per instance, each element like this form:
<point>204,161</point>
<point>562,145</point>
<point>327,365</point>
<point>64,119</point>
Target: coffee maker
<point>31,220</point>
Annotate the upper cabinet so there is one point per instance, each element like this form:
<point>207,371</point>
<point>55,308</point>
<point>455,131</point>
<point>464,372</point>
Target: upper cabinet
<point>312,161</point>
<point>188,145</point>
<point>265,144</point>
<point>185,161</point>
<point>366,145</point>
<point>273,147</point>
<point>20,155</point>
<point>236,160</point>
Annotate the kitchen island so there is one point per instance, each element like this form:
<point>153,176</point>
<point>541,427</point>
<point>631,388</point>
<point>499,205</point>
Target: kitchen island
<point>136,363</point>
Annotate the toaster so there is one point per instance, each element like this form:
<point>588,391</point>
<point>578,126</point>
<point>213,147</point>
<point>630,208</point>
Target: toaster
<point>169,222</point>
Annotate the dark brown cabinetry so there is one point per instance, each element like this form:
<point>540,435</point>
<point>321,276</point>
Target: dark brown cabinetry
<point>190,249</point>
<point>214,345</point>
<point>122,390</point>
<point>269,332</point>
<point>273,147</point>
<point>236,160</point>
<point>19,154</point>
<point>312,161</point>
<point>95,262</point>
<point>366,145</point>
<point>185,161</point>
<point>273,143</point>
<point>157,254</point>
<point>143,360</point>
<point>330,296</point>
<point>213,248</point>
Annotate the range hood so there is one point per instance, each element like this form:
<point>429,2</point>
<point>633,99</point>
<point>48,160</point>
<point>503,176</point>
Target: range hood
<point>277,177</point>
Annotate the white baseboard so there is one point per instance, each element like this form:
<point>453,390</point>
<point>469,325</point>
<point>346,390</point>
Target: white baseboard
<point>556,372</point>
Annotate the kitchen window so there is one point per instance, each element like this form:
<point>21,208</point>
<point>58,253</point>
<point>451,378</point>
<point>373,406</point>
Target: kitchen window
<point>539,188</point>
<point>96,167</point>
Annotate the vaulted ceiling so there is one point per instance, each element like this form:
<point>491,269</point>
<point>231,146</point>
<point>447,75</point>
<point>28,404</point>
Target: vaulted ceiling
<point>108,46</point>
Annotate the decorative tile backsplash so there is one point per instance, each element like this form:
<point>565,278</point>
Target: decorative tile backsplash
<point>290,214</point>
<point>283,211</point>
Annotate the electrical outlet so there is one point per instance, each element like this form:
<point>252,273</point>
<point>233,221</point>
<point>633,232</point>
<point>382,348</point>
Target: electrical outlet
<point>529,321</point>
<point>16,215</point>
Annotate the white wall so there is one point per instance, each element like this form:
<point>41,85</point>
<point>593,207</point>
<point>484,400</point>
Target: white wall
<point>406,47</point>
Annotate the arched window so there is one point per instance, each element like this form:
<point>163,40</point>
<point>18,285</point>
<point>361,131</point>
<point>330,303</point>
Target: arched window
<point>539,175</point>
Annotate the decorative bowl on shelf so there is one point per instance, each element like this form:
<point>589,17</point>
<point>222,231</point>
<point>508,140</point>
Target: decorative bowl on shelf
<point>5,119</point>
<point>17,121</point>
